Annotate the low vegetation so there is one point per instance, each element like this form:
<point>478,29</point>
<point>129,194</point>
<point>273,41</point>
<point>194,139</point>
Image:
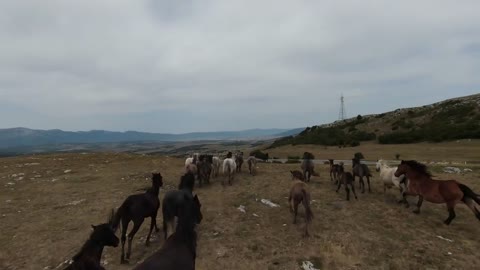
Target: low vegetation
<point>444,121</point>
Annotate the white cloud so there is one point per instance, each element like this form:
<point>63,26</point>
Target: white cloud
<point>115,64</point>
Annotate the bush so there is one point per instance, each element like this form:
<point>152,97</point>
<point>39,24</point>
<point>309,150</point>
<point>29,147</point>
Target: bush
<point>397,156</point>
<point>358,155</point>
<point>259,154</point>
<point>291,161</point>
<point>293,157</point>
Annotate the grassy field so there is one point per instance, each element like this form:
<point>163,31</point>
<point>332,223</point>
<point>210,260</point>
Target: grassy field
<point>46,212</point>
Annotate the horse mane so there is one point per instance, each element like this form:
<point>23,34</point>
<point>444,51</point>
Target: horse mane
<point>418,167</point>
<point>308,155</point>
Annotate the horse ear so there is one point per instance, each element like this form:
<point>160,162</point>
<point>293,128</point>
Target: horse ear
<point>93,226</point>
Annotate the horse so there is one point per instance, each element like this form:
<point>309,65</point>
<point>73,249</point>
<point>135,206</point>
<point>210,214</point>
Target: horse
<point>191,168</point>
<point>361,170</point>
<point>179,250</point>
<point>345,178</point>
<point>216,162</point>
<point>239,161</point>
<point>450,192</point>
<point>299,194</point>
<point>173,205</point>
<point>307,166</point>
<point>187,181</point>
<point>229,168</point>
<point>297,175</point>
<point>390,180</point>
<point>204,171</point>
<point>88,258</point>
<point>334,170</point>
<point>252,163</point>
<point>136,208</point>
<point>191,160</point>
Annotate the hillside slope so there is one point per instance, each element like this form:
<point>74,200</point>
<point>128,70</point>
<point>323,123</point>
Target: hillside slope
<point>457,118</point>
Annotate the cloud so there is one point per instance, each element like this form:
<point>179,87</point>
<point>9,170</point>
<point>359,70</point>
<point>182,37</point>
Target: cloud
<point>218,65</point>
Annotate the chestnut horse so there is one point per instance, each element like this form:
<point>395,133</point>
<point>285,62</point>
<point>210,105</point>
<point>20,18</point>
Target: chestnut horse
<point>299,194</point>
<point>422,185</point>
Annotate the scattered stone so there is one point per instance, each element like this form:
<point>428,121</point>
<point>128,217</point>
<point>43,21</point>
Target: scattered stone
<point>443,238</point>
<point>307,265</point>
<point>8,201</point>
<point>242,209</point>
<point>67,171</point>
<point>269,203</point>
<point>221,252</point>
<point>255,215</point>
<point>10,183</point>
<point>76,202</point>
<point>467,170</point>
<point>452,170</point>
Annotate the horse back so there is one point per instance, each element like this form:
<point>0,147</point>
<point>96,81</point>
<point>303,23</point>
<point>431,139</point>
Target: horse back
<point>174,255</point>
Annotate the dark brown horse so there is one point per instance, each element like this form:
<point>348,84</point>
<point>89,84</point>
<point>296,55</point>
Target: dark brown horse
<point>345,178</point>
<point>361,170</point>
<point>179,250</point>
<point>297,175</point>
<point>334,170</point>
<point>239,161</point>
<point>88,258</point>
<point>436,191</point>
<point>307,166</point>
<point>299,194</point>
<point>204,171</point>
<point>136,208</point>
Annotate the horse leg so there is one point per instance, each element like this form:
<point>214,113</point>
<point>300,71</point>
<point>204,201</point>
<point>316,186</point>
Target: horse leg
<point>339,185</point>
<point>419,204</point>
<point>136,226</point>
<point>290,203</point>
<point>348,192</point>
<point>296,203</point>
<point>353,190</point>
<point>153,223</point>
<point>165,229</point>
<point>368,182</point>
<point>451,212</point>
<point>362,184</point>
<point>124,237</point>
<point>384,188</point>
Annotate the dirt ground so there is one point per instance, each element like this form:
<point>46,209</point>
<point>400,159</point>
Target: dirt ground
<point>48,202</point>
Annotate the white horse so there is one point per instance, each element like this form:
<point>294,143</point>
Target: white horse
<point>390,180</point>
<point>216,166</point>
<point>191,160</point>
<point>229,168</point>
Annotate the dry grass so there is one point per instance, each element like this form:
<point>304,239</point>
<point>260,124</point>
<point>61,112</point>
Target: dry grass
<point>40,229</point>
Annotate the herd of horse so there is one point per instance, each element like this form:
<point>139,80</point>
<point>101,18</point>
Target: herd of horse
<point>181,208</point>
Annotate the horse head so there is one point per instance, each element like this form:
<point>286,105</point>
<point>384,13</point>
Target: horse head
<point>104,234</point>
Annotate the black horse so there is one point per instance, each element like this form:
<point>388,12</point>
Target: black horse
<point>136,208</point>
<point>345,178</point>
<point>88,258</point>
<point>173,205</point>
<point>179,250</point>
<point>187,181</point>
<point>361,170</point>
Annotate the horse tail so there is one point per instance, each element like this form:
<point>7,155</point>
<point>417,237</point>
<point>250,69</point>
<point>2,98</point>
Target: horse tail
<point>468,193</point>
<point>306,204</point>
<point>115,222</point>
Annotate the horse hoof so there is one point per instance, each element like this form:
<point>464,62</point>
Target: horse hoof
<point>147,244</point>
<point>416,211</point>
<point>407,205</point>
<point>124,262</point>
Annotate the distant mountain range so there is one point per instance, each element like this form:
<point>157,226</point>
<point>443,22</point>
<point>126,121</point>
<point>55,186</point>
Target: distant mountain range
<point>21,137</point>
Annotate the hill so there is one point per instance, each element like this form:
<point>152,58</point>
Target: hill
<point>452,119</point>
<point>24,137</point>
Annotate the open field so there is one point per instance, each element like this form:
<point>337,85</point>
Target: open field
<point>46,214</point>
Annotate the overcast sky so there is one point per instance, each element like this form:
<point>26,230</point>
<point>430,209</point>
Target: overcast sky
<point>181,66</point>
